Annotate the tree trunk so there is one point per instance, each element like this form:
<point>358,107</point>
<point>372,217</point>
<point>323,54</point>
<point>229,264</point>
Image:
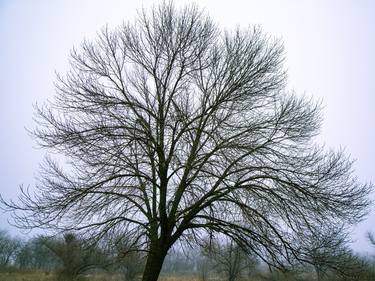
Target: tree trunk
<point>154,264</point>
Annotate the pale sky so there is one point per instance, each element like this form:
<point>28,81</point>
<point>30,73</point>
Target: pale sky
<point>330,55</point>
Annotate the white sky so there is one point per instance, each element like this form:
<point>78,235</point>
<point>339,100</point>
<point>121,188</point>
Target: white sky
<point>330,49</point>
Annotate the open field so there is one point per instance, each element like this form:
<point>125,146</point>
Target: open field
<point>26,276</point>
<point>42,276</point>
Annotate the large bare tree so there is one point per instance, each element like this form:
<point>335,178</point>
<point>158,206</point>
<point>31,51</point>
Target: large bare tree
<point>174,129</point>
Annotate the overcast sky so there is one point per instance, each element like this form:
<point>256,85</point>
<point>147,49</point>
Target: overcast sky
<point>330,55</point>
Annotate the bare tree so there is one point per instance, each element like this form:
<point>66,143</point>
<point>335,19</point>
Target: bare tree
<point>128,261</point>
<point>204,266</point>
<point>328,251</point>
<point>229,260</point>
<point>34,254</point>
<point>76,256</point>
<point>9,247</point>
<point>172,128</point>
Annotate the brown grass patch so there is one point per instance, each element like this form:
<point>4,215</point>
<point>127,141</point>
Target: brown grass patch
<point>26,276</point>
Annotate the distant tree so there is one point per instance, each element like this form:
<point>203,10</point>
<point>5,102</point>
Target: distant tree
<point>33,254</point>
<point>181,261</point>
<point>25,257</point>
<point>331,257</point>
<point>229,260</point>
<point>8,249</point>
<point>326,250</point>
<point>75,255</point>
<point>174,129</point>
<point>131,266</point>
<point>129,262</point>
<point>204,267</point>
<point>339,262</point>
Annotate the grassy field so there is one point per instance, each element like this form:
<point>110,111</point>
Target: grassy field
<point>42,276</point>
<point>26,276</point>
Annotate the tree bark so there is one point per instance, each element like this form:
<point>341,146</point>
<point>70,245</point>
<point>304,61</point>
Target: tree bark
<point>154,264</point>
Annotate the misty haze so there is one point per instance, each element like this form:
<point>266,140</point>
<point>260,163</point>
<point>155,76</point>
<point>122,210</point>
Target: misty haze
<point>177,141</point>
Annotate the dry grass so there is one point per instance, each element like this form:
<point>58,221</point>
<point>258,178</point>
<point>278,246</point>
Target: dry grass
<point>42,276</point>
<point>161,278</point>
<point>26,276</point>
<point>178,278</point>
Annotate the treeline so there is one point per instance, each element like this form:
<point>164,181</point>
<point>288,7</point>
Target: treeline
<point>71,257</point>
<point>68,256</point>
